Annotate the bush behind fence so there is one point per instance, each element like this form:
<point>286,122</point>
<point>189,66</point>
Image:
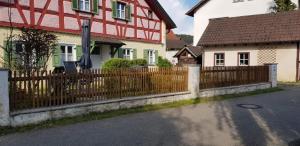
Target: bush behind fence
<point>29,90</point>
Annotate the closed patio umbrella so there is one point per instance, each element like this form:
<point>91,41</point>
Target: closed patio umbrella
<point>85,60</point>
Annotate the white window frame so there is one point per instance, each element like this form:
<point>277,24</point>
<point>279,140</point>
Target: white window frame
<point>121,10</point>
<point>218,59</point>
<point>243,59</point>
<point>151,57</point>
<point>128,53</point>
<point>85,5</point>
<point>65,56</point>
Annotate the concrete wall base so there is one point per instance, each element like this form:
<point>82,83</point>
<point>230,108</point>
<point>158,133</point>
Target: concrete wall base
<point>233,89</point>
<point>35,116</point>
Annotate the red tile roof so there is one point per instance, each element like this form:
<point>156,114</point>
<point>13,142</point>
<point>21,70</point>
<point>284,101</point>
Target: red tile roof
<point>265,28</point>
<point>174,42</point>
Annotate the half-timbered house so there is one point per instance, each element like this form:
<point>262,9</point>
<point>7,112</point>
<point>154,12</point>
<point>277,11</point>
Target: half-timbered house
<point>120,28</point>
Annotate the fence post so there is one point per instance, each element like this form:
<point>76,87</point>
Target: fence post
<point>272,74</point>
<point>4,97</point>
<point>194,79</point>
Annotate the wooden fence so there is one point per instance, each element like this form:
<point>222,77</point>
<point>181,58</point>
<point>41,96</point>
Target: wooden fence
<point>29,90</point>
<point>213,77</point>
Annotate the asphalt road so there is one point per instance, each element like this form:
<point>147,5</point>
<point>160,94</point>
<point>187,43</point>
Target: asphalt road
<point>220,123</point>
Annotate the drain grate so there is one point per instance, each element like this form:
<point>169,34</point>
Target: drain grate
<point>295,143</point>
<point>250,106</point>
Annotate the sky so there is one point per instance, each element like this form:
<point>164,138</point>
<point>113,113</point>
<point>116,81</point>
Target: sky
<point>177,9</point>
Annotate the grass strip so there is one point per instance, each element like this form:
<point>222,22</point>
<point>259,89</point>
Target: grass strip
<point>110,114</point>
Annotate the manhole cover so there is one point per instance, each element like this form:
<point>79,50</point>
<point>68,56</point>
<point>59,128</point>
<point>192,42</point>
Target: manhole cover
<point>295,143</point>
<point>250,106</point>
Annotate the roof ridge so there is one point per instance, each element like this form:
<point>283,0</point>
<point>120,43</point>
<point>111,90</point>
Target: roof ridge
<point>257,15</point>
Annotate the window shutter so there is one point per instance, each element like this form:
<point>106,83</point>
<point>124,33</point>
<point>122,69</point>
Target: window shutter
<point>128,12</point>
<point>156,56</point>
<point>95,5</point>
<point>75,4</point>
<point>41,62</point>
<point>134,51</point>
<point>14,59</point>
<point>6,54</point>
<point>146,55</point>
<point>93,45</point>
<point>114,8</point>
<point>56,57</point>
<point>120,53</point>
<point>78,52</point>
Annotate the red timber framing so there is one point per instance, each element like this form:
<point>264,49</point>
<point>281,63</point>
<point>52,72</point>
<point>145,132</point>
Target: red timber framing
<point>62,17</point>
<point>298,62</point>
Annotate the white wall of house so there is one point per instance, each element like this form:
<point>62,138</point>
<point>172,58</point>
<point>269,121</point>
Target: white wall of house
<point>170,56</point>
<point>228,8</point>
<point>285,55</point>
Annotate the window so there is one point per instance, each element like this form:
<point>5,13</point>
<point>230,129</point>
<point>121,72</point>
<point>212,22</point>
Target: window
<point>243,59</point>
<point>128,54</point>
<point>85,5</point>
<point>121,10</point>
<point>219,59</point>
<point>151,55</point>
<point>150,14</point>
<point>68,53</point>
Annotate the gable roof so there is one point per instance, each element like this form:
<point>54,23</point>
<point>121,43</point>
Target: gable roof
<point>195,51</point>
<point>254,29</point>
<point>174,42</point>
<point>192,11</point>
<point>161,13</point>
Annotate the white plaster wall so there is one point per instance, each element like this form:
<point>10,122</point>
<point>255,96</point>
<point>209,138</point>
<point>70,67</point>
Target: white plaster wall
<point>170,56</point>
<point>231,55</point>
<point>226,8</point>
<point>286,55</point>
<point>286,58</point>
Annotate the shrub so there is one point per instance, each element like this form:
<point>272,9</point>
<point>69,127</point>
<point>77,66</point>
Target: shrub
<point>116,63</point>
<point>163,63</point>
<point>138,62</point>
<point>123,63</point>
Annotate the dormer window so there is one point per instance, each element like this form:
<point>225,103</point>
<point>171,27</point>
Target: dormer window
<point>85,5</point>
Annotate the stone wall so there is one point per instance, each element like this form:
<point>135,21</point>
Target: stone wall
<point>34,116</point>
<point>39,115</point>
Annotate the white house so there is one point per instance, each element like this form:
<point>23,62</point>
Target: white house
<point>255,40</point>
<point>207,9</point>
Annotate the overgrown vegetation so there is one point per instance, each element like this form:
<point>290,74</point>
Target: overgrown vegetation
<point>99,116</point>
<point>163,63</point>
<point>283,5</point>
<point>124,63</point>
<point>187,38</point>
<point>30,50</point>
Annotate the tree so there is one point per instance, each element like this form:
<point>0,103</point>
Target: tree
<point>283,5</point>
<point>30,50</point>
<point>186,38</point>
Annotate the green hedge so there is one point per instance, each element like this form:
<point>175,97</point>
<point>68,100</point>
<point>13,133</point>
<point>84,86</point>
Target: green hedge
<point>123,63</point>
<point>163,63</point>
